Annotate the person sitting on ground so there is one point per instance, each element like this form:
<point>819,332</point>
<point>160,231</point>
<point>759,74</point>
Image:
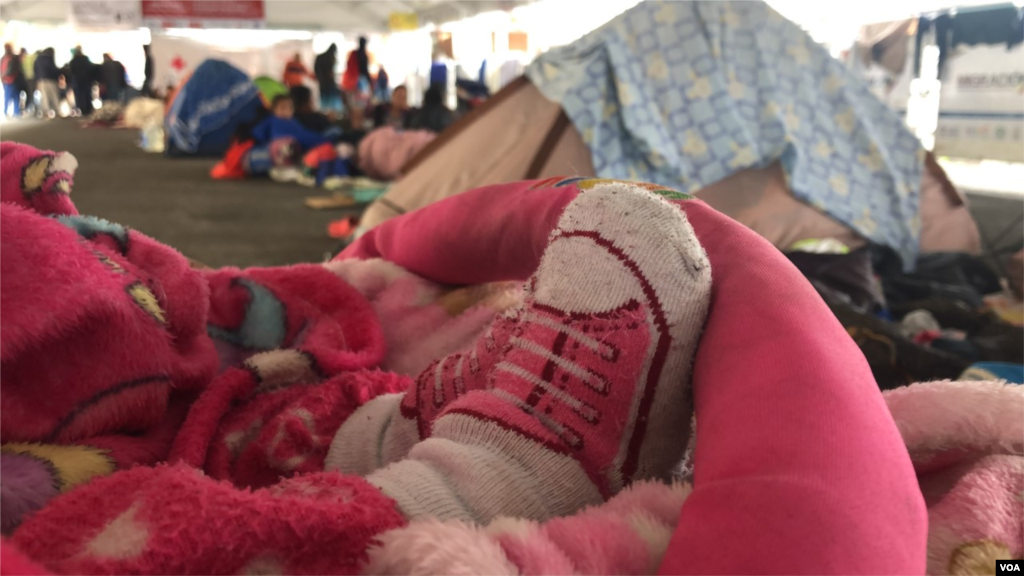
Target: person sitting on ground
<point>395,113</point>
<point>433,116</point>
<point>305,113</point>
<point>283,134</point>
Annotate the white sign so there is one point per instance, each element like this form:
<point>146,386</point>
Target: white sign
<point>981,110</point>
<point>107,14</point>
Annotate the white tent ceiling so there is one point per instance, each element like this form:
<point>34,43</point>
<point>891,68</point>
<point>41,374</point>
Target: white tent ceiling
<point>823,19</point>
<point>351,16</point>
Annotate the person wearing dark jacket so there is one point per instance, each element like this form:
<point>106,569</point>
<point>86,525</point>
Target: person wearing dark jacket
<point>83,74</point>
<point>433,116</point>
<point>47,76</point>
<point>310,119</point>
<point>112,78</point>
<point>323,69</point>
<point>13,80</point>
<point>147,84</point>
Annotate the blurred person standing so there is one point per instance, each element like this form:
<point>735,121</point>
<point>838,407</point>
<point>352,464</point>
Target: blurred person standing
<point>112,78</point>
<point>323,68</point>
<point>295,72</point>
<point>357,68</point>
<point>147,84</point>
<point>382,86</point>
<point>28,61</point>
<point>47,75</point>
<point>83,74</point>
<point>13,79</point>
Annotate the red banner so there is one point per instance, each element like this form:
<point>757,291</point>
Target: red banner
<point>199,10</point>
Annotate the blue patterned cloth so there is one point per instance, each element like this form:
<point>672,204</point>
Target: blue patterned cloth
<point>683,94</point>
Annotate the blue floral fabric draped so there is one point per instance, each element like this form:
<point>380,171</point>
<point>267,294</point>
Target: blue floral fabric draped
<point>684,94</point>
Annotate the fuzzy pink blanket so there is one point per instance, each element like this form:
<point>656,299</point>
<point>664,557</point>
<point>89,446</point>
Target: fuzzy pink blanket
<point>383,152</point>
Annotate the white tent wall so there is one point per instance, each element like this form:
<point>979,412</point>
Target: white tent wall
<point>268,59</point>
<point>348,16</point>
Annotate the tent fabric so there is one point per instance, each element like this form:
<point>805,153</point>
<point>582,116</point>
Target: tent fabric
<point>684,94</point>
<point>207,109</point>
<point>478,150</point>
<point>760,199</point>
<point>504,141</point>
<point>497,142</point>
<point>269,89</point>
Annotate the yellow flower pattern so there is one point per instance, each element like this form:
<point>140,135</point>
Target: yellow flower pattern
<point>744,156</point>
<point>666,13</point>
<point>701,89</point>
<point>839,185</point>
<point>800,54</point>
<point>833,84</point>
<point>694,144</point>
<point>823,149</point>
<point>846,120</point>
<point>656,67</point>
<point>872,161</point>
<point>146,300</point>
<point>736,88</point>
<point>866,222</point>
<point>792,120</point>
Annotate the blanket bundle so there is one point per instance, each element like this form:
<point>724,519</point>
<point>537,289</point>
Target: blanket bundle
<point>158,418</point>
<point>154,340</point>
<point>385,151</point>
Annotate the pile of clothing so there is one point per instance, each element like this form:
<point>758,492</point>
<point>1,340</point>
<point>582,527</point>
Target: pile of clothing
<point>933,323</point>
<point>289,153</point>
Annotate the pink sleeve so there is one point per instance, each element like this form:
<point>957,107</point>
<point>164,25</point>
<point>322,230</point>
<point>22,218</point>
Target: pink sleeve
<point>799,467</point>
<point>484,235</point>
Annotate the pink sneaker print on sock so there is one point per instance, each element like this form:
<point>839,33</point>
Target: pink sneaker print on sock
<point>588,381</point>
